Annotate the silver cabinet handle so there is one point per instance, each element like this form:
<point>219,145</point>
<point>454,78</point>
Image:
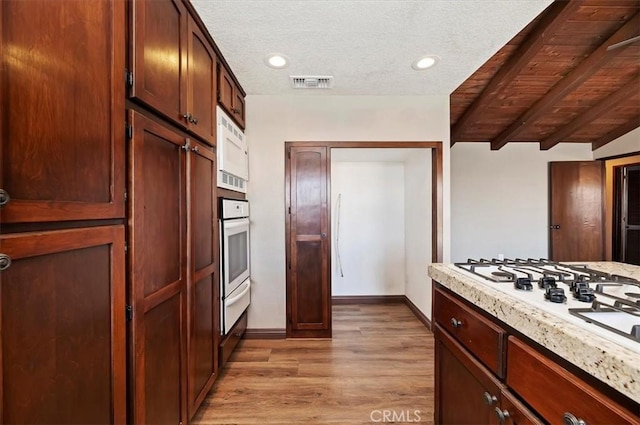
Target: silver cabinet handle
<point>570,419</point>
<point>456,323</point>
<point>502,415</point>
<point>195,149</point>
<point>4,198</point>
<point>489,399</point>
<point>5,262</point>
<point>187,117</point>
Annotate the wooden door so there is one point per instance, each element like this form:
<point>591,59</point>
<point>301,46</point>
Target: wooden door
<point>465,391</point>
<point>158,265</point>
<point>63,327</point>
<point>308,281</point>
<point>576,211</point>
<point>204,301</point>
<point>159,56</point>
<point>62,90</point>
<point>201,103</point>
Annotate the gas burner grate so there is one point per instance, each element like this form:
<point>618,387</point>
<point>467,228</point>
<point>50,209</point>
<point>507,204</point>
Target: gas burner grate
<point>613,301</point>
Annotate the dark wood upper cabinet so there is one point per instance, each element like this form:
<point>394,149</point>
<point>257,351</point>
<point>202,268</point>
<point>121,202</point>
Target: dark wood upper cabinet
<point>308,281</point>
<point>158,258</point>
<point>159,56</point>
<point>63,92</point>
<point>174,66</point>
<point>62,334</point>
<point>576,211</point>
<point>201,94</point>
<point>230,97</point>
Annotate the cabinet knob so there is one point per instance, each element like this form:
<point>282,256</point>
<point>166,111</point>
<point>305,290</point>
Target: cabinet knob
<point>489,399</point>
<point>187,117</point>
<point>4,198</point>
<point>194,120</point>
<point>570,419</point>
<point>195,149</point>
<point>456,323</point>
<point>235,110</point>
<point>555,226</point>
<point>502,415</point>
<point>5,262</point>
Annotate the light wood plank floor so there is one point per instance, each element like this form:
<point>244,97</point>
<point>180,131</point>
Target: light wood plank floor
<point>378,367</point>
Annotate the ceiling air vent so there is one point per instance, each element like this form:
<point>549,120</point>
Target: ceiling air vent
<point>311,82</point>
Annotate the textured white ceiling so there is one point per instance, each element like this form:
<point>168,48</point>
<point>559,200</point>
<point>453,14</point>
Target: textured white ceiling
<point>367,45</point>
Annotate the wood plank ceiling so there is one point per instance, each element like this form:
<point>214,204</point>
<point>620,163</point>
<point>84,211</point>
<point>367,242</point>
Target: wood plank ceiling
<point>572,75</point>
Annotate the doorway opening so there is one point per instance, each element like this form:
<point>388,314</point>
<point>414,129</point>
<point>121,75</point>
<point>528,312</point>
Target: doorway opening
<point>622,209</point>
<point>626,215</point>
<point>312,233</point>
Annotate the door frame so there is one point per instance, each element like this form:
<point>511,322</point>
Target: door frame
<point>436,194</point>
<point>610,165</point>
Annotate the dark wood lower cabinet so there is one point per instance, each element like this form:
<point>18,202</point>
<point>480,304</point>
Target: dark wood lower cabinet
<point>174,284</point>
<point>466,392</point>
<point>535,390</point>
<point>63,327</point>
<point>203,289</point>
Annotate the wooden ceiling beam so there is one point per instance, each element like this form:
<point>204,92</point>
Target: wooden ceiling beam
<point>553,18</point>
<point>570,82</point>
<point>615,133</point>
<point>583,119</point>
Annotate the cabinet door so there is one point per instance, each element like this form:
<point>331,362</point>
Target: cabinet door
<point>230,97</point>
<point>63,327</point>
<point>159,56</point>
<point>202,85</point>
<point>62,89</point>
<point>204,301</point>
<point>465,391</point>
<point>308,281</point>
<point>158,258</point>
<point>225,89</point>
<point>238,107</point>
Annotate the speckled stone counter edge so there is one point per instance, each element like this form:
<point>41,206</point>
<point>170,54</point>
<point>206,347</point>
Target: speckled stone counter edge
<point>617,366</point>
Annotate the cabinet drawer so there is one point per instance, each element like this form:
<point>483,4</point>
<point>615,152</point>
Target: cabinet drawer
<point>473,331</point>
<point>556,393</point>
<point>465,391</point>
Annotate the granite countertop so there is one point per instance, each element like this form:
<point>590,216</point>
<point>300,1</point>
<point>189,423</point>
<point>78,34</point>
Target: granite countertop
<point>616,365</point>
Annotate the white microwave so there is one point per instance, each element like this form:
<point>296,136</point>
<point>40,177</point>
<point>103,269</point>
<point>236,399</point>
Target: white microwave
<point>233,157</point>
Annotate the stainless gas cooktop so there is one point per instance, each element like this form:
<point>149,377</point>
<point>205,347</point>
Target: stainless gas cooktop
<point>608,301</point>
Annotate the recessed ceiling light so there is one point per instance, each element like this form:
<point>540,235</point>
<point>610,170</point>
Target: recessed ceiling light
<point>424,62</point>
<point>276,61</point>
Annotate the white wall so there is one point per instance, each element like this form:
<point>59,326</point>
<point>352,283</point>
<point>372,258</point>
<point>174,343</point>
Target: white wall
<point>417,184</point>
<point>272,120</point>
<point>628,143</point>
<point>499,199</point>
<point>371,233</point>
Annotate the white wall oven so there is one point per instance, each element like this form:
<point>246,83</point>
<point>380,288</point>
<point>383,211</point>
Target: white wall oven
<point>235,264</point>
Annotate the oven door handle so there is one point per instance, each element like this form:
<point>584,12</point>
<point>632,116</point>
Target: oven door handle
<point>232,301</point>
